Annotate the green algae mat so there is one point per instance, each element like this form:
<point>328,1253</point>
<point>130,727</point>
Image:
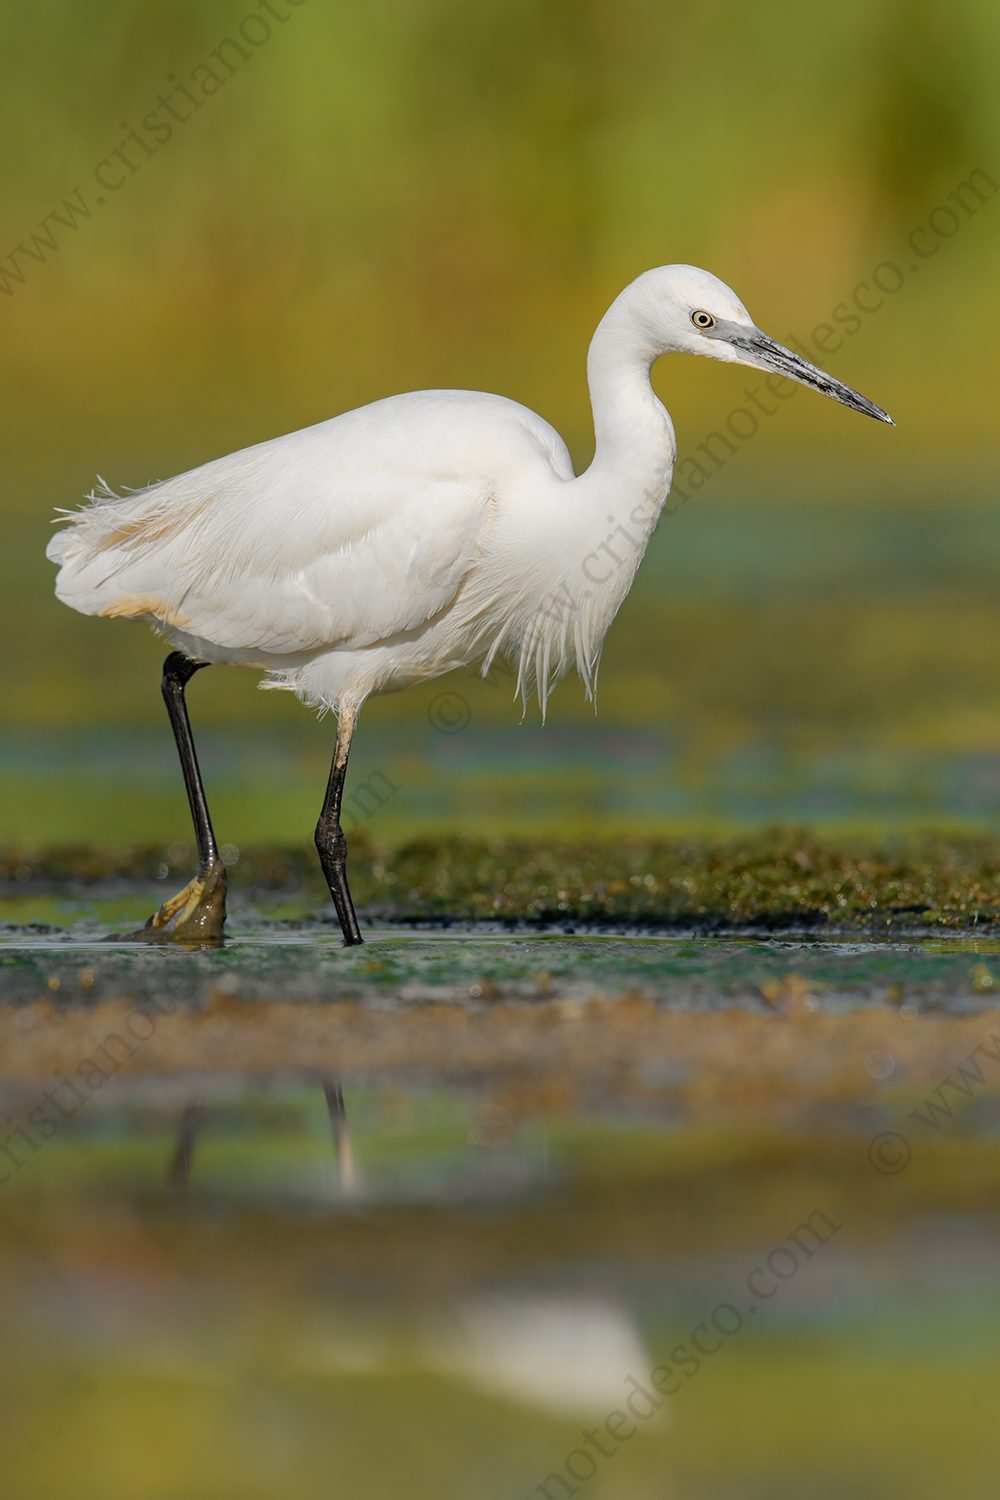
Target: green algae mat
<point>768,879</point>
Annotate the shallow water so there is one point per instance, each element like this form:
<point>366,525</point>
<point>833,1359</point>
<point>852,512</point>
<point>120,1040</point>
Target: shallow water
<point>422,1218</point>
<point>297,953</point>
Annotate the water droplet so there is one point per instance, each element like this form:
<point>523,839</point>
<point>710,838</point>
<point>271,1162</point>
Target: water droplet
<point>880,1063</point>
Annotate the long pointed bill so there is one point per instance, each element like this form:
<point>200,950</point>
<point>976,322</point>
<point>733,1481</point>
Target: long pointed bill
<point>765,354</point>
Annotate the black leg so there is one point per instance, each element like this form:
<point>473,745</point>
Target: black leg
<point>177,673</point>
<point>197,914</point>
<point>341,1134</point>
<point>330,840</point>
<point>180,1165</point>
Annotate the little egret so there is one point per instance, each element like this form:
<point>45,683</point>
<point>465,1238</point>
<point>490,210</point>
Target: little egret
<point>398,541</point>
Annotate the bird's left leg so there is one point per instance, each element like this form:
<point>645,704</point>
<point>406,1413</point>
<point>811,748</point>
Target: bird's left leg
<point>330,841</point>
<point>179,1170</point>
<point>197,914</point>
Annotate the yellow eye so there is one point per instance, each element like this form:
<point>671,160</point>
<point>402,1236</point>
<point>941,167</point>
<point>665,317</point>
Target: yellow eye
<point>702,320</point>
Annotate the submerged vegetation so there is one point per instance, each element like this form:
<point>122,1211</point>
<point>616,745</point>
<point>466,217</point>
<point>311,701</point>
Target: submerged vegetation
<point>761,879</point>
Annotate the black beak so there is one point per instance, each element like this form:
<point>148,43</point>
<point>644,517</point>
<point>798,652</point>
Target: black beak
<point>767,355</point>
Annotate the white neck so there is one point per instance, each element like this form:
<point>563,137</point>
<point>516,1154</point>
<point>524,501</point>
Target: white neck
<point>615,506</point>
<point>635,439</point>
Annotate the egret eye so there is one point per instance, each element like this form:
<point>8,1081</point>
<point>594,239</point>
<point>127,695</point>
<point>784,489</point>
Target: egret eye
<point>702,320</point>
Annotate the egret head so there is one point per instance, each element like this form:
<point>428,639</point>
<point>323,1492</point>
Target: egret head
<point>685,310</point>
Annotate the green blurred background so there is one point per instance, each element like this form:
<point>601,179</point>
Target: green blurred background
<point>387,197</point>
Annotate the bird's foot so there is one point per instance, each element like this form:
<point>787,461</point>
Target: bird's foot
<point>197,914</point>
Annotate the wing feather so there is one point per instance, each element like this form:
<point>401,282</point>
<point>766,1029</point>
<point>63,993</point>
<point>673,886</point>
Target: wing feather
<point>343,534</point>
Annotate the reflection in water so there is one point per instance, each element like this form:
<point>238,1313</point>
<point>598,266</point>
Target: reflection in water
<point>562,1354</point>
<point>179,1170</point>
<point>192,1119</point>
<point>569,1355</point>
<point>341,1135</point>
<point>481,1273</point>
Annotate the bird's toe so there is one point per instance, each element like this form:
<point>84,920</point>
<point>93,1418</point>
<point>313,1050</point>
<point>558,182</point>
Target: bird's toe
<point>197,914</point>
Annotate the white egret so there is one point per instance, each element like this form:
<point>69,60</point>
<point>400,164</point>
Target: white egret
<point>395,542</point>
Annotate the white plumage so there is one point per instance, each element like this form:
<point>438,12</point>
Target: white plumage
<point>395,542</point>
<point>356,556</point>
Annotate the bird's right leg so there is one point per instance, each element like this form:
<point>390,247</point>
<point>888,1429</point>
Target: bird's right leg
<point>330,841</point>
<point>197,914</point>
